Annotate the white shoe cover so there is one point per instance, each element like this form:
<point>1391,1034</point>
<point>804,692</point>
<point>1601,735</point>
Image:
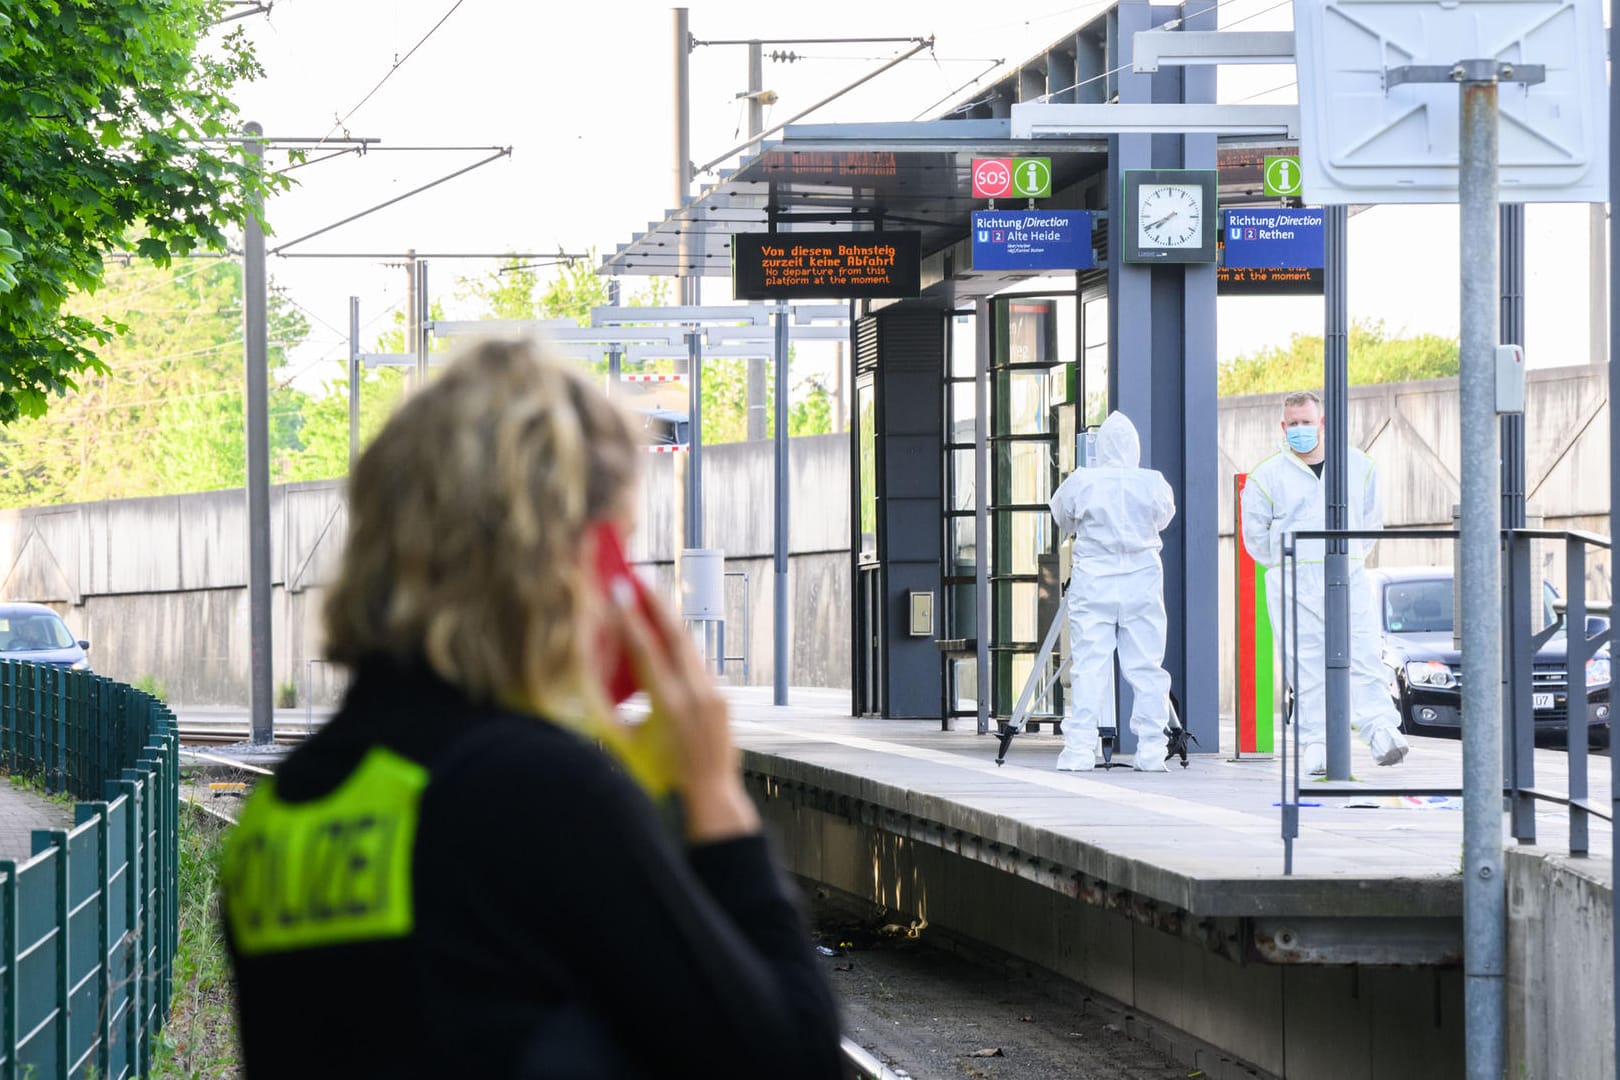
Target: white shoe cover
<point>1076,760</point>
<point>1313,759</point>
<point>1388,746</point>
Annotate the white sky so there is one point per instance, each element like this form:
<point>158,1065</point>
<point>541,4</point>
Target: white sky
<point>581,91</point>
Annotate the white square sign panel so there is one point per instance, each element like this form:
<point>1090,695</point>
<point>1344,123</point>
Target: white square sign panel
<point>1363,143</point>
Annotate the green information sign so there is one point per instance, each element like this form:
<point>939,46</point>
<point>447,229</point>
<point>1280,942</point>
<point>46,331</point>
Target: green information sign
<point>1032,177</point>
<point>1283,177</point>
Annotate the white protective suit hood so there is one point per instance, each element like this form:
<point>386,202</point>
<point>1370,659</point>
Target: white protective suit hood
<point>1114,509</point>
<point>1118,445</point>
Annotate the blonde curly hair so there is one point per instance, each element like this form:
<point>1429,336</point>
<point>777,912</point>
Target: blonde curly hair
<point>465,516</point>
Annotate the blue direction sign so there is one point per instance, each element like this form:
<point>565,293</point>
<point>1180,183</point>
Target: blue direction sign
<point>1032,240</point>
<point>1264,238</point>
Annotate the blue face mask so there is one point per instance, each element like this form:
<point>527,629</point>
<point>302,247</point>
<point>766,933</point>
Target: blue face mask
<point>1302,439</point>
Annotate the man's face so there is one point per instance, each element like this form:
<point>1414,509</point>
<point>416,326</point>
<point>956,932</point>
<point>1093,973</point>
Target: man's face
<point>1307,415</point>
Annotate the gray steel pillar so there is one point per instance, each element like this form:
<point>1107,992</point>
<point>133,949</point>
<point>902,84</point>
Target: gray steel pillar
<point>615,351</point>
<point>413,317</point>
<point>1520,593</point>
<point>682,175</point>
<point>779,596</point>
<point>694,430</point>
<point>421,346</point>
<point>1161,356</point>
<point>1614,522</point>
<point>1336,562</point>
<point>1511,317</point>
<point>1480,562</point>
<point>354,381</point>
<point>257,373</point>
<point>1137,297</point>
<point>984,346</point>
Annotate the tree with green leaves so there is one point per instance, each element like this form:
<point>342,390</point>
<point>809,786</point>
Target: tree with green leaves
<point>164,413</point>
<point>1376,356</point>
<point>115,122</point>
<point>516,292</point>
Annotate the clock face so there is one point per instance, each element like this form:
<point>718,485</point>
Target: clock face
<point>1170,216</point>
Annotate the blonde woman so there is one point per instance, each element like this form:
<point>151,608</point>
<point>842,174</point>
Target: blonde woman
<point>466,873</point>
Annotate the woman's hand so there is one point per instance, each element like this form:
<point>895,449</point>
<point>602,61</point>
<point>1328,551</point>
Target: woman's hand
<point>692,718</point>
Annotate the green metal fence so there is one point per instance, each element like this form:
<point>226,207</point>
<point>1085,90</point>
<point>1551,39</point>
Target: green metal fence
<point>88,925</point>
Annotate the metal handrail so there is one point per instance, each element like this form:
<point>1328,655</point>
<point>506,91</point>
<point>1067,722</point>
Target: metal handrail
<point>1519,768</point>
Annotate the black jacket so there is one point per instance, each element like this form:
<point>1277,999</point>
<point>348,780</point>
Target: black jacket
<point>557,926</point>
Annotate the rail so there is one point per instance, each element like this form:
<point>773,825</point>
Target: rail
<point>89,923</point>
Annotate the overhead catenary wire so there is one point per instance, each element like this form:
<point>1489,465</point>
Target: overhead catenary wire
<point>396,66</point>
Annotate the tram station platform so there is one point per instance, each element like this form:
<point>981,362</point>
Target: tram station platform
<point>1164,891</point>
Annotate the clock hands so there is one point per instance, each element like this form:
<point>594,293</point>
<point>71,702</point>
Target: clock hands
<point>1161,221</point>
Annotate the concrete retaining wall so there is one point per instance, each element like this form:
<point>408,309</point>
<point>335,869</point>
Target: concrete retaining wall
<point>1412,431</point>
<point>158,586</point>
<point>1560,974</point>
<point>134,575</point>
<point>1313,1023</point>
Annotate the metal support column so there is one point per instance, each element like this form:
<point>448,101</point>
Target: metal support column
<point>984,344</point>
<point>257,374</point>
<point>779,598</point>
<point>615,350</point>
<point>689,293</point>
<point>354,381</point>
<point>421,345</point>
<point>1521,593</point>
<point>1336,560</point>
<point>413,319</point>
<point>1614,530</point>
<point>1480,563</point>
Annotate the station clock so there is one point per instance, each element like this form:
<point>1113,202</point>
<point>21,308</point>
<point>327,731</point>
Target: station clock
<point>1170,215</point>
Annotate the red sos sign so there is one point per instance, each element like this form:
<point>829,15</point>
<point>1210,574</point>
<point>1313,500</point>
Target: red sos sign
<point>992,178</point>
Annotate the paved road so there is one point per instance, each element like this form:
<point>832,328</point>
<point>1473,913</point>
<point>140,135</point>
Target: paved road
<point>23,810</point>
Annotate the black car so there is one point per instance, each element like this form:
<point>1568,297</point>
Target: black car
<point>1425,667</point>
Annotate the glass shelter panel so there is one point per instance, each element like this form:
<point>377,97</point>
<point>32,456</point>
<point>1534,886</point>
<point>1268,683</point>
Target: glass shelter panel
<point>1033,373</point>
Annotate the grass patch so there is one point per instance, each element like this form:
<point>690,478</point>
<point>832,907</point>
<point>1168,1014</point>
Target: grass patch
<point>151,684</point>
<point>200,1038</point>
<point>35,782</point>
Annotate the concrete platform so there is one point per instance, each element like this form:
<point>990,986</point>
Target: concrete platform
<point>1166,891</point>
<point>1206,838</point>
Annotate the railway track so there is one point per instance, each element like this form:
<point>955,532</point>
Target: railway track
<point>229,735</point>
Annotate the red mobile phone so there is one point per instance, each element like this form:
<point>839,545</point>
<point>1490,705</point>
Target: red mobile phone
<point>622,587</point>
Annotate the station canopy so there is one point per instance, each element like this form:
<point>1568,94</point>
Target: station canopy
<point>914,176</point>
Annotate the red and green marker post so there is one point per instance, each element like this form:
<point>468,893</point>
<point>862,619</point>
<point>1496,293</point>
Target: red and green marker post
<point>1254,661</point>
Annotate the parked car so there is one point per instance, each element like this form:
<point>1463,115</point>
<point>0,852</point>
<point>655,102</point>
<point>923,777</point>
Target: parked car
<point>1425,667</point>
<point>35,633</point>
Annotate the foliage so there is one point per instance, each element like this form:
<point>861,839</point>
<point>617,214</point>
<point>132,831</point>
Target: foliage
<point>1376,356</point>
<point>287,695</point>
<point>150,684</point>
<point>199,1039</point>
<point>106,112</point>
<point>165,413</point>
<point>725,402</point>
<point>516,292</point>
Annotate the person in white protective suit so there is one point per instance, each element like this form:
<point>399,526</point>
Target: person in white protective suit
<point>1115,511</point>
<point>1286,493</point>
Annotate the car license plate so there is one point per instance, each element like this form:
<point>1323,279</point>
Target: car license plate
<point>1541,701</point>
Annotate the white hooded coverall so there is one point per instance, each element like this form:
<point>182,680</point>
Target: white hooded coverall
<point>1115,511</point>
<point>1284,495</point>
